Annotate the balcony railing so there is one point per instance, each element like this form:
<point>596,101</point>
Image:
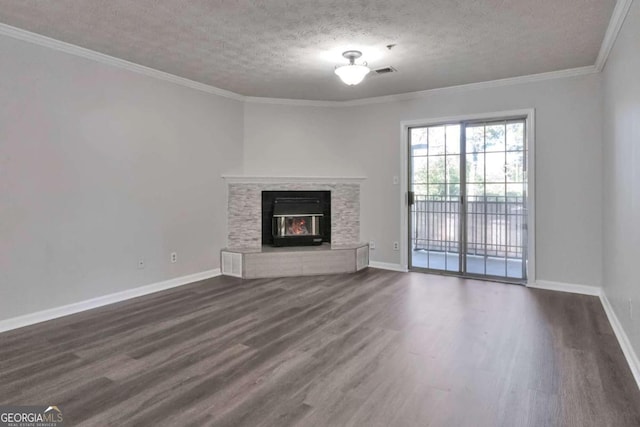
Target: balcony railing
<point>496,225</point>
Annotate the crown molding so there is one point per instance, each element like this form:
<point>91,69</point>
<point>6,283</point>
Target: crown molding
<point>82,52</point>
<point>615,25</point>
<point>531,78</point>
<point>293,102</point>
<point>257,179</point>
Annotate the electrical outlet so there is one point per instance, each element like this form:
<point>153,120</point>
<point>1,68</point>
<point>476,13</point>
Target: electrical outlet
<point>372,245</point>
<point>174,257</point>
<point>140,263</point>
<point>396,180</point>
<point>396,246</point>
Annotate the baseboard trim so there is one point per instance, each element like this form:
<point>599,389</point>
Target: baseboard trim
<point>77,307</point>
<point>623,339</point>
<point>566,287</point>
<point>387,266</point>
<point>628,351</point>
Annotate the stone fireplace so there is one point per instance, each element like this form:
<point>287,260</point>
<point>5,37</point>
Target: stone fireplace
<point>334,218</point>
<point>245,207</point>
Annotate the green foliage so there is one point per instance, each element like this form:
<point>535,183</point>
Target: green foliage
<point>442,175</point>
<point>494,157</point>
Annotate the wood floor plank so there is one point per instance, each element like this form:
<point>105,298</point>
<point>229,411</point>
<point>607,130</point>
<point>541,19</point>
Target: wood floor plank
<point>371,348</point>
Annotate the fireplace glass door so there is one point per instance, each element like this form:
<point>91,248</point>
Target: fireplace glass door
<point>295,225</point>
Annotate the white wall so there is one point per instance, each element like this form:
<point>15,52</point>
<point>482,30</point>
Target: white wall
<point>297,141</point>
<point>621,206</point>
<point>100,166</point>
<point>365,140</point>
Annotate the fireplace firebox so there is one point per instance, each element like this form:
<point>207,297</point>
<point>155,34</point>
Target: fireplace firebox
<point>296,218</point>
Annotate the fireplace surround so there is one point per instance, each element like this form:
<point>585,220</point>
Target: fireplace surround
<point>245,207</point>
<point>250,253</point>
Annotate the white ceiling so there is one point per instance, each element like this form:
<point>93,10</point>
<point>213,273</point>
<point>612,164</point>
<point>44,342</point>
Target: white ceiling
<point>288,48</point>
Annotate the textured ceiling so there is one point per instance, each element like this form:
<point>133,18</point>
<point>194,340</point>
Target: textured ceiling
<point>288,48</point>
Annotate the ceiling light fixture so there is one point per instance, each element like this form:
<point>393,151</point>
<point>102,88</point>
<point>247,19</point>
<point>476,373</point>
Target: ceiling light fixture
<point>353,73</point>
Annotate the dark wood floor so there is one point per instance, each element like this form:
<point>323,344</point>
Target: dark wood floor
<point>375,348</point>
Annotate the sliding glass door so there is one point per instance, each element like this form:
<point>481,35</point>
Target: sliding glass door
<point>468,199</point>
<point>435,187</point>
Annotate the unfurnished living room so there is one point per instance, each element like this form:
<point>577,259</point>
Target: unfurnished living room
<point>320,213</point>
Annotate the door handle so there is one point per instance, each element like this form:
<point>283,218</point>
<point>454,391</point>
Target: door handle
<point>410,198</point>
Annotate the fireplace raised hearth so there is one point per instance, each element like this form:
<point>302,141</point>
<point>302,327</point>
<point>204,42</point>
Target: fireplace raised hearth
<point>296,218</point>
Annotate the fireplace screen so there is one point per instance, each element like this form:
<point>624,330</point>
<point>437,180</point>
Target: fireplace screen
<point>290,225</point>
<point>297,221</point>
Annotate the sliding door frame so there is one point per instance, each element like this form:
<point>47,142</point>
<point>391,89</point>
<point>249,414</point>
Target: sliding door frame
<point>405,126</point>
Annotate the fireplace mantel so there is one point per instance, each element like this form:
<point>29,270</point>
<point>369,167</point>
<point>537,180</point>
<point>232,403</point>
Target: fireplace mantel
<point>258,179</point>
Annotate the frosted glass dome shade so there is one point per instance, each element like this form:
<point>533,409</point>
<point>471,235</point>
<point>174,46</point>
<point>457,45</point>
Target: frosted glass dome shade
<point>352,74</point>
